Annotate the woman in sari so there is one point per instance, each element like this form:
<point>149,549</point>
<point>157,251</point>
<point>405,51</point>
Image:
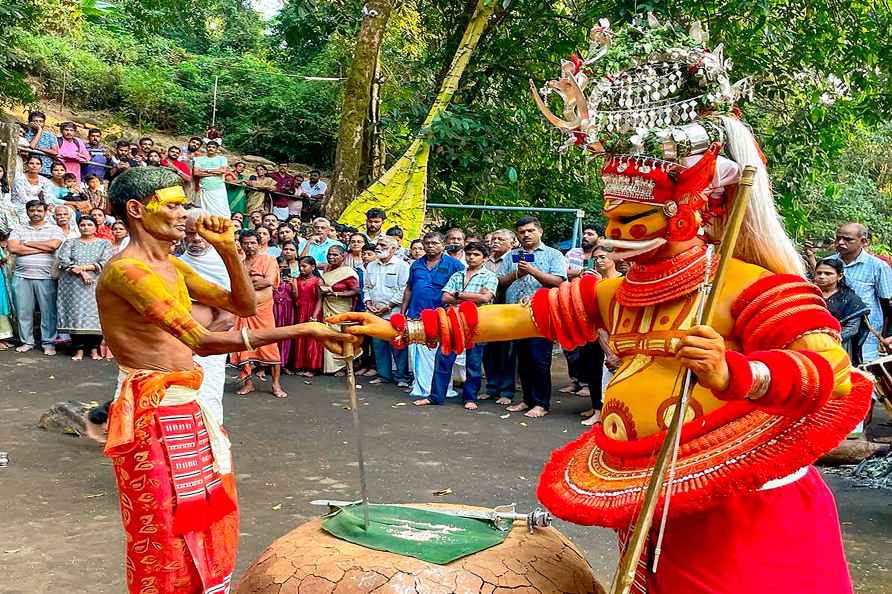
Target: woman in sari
<point>120,236</point>
<point>284,305</point>
<point>80,262</point>
<point>259,185</point>
<point>844,304</point>
<point>307,351</point>
<point>5,299</point>
<point>340,286</point>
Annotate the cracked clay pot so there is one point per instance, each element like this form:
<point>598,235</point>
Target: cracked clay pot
<point>308,560</point>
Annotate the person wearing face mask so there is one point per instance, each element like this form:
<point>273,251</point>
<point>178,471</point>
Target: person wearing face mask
<point>384,284</point>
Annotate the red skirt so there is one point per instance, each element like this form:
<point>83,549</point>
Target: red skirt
<point>779,540</point>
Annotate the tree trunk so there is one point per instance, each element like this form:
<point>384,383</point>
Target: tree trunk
<point>355,108</point>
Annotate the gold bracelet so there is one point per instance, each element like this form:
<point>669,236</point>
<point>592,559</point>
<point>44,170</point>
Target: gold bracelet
<point>761,380</point>
<point>415,332</point>
<point>246,340</point>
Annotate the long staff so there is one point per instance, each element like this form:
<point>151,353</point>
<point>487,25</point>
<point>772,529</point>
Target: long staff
<point>668,451</point>
<point>349,355</point>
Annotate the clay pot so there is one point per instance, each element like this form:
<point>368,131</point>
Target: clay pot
<point>308,560</point>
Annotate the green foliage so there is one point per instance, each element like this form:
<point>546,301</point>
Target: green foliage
<point>155,63</point>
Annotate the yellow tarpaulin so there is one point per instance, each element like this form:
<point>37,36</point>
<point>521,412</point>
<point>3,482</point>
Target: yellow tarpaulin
<point>402,190</point>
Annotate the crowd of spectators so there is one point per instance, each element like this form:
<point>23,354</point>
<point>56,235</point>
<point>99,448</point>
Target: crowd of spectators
<point>56,234</point>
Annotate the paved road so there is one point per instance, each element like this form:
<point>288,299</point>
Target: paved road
<point>59,523</point>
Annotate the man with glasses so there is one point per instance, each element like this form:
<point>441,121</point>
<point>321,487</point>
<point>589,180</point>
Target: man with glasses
<point>871,279</point>
<point>499,360</point>
<point>424,289</point>
<point>384,285</point>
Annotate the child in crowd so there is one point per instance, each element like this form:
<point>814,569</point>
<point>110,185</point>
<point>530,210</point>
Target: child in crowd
<point>306,352</point>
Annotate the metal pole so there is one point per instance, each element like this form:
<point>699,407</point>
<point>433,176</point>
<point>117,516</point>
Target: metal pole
<point>214,114</point>
<point>577,228</point>
<point>494,207</point>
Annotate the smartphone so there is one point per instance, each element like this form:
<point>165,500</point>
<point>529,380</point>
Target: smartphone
<point>525,256</point>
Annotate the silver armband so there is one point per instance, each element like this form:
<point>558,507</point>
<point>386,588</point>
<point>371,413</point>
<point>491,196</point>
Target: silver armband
<point>761,380</point>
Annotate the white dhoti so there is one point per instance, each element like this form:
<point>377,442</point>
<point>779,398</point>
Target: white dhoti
<point>423,368</point>
<point>211,391</point>
<point>216,202</point>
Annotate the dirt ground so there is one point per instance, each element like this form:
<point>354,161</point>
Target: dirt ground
<point>60,529</point>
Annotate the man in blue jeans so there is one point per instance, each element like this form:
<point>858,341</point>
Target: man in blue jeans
<point>478,284</point>
<point>383,286</point>
<point>34,246</point>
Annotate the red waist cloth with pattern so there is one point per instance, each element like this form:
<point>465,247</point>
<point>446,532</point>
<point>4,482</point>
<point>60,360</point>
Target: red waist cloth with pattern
<point>179,514</point>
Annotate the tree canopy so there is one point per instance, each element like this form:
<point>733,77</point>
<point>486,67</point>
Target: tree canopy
<point>821,71</point>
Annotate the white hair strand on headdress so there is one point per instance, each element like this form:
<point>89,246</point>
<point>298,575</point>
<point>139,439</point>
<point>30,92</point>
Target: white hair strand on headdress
<point>763,240</point>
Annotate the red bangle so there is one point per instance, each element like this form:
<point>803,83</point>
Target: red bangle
<point>588,328</point>
<point>589,295</point>
<point>445,336</point>
<point>471,317</point>
<point>740,377</point>
<point>431,327</point>
<point>458,333</point>
<point>398,323</point>
<point>574,326</point>
<point>557,325</point>
<point>541,317</point>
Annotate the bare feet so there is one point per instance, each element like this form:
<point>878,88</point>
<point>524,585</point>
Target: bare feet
<point>24,348</point>
<point>278,392</point>
<point>587,413</point>
<point>339,374</point>
<point>287,371</point>
<point>261,375</point>
<point>592,419</point>
<point>4,345</point>
<point>584,392</point>
<point>484,397</point>
<point>571,387</point>
<point>536,412</point>
<point>470,406</point>
<point>503,400</point>
<point>422,402</point>
<point>246,389</point>
<point>49,351</point>
<point>519,407</point>
<point>370,373</point>
<point>78,355</point>
<point>376,381</point>
<point>94,354</point>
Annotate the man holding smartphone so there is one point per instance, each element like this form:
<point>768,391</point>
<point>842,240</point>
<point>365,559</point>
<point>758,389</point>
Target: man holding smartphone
<point>521,273</point>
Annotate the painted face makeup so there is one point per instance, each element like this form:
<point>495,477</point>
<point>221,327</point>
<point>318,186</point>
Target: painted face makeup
<point>633,229</point>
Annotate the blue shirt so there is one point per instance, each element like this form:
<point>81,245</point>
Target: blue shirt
<point>47,141</point>
<point>546,259</point>
<point>97,155</point>
<point>427,284</point>
<point>871,279</point>
<point>319,251</point>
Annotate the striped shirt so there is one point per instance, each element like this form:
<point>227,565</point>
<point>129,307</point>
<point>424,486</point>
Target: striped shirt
<point>871,279</point>
<point>36,266</point>
<point>482,279</point>
<point>547,259</point>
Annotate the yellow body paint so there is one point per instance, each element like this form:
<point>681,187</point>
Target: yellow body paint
<point>135,282</point>
<point>165,196</point>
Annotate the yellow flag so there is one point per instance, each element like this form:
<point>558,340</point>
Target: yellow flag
<point>402,190</point>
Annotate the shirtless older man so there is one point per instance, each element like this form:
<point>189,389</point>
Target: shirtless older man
<point>171,458</point>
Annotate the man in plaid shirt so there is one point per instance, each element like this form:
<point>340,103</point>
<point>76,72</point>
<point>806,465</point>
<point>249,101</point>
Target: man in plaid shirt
<point>478,284</point>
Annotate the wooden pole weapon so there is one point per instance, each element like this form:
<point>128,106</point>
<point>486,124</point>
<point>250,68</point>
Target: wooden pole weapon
<point>669,449</point>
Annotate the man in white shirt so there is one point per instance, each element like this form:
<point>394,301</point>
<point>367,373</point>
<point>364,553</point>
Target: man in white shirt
<point>312,191</point>
<point>384,284</point>
<point>208,264</point>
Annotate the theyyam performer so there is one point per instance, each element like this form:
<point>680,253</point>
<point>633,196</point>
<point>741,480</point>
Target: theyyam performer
<point>170,454</point>
<point>774,389</point>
